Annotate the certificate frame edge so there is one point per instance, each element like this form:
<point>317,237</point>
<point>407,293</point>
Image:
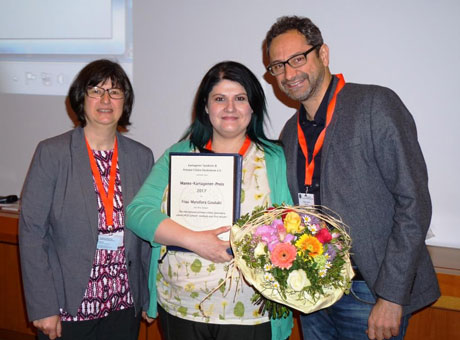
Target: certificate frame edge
<point>237,178</point>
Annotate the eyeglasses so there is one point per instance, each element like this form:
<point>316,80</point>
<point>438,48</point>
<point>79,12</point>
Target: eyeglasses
<point>294,61</point>
<point>98,92</point>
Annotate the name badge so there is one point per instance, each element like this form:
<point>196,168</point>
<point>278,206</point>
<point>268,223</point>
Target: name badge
<point>110,241</point>
<point>306,199</point>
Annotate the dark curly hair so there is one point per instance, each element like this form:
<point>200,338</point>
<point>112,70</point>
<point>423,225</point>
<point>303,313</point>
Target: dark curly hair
<point>94,73</point>
<point>303,25</point>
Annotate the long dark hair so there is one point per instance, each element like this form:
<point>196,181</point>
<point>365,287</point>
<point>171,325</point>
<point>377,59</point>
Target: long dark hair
<point>200,131</point>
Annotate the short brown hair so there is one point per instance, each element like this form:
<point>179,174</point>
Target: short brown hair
<point>91,75</point>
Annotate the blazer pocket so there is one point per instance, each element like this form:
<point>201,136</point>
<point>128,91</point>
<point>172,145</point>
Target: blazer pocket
<point>345,144</point>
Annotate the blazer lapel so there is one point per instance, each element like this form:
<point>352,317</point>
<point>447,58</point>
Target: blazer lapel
<point>331,128</point>
<point>293,160</point>
<point>83,170</point>
<point>290,147</point>
<point>126,166</point>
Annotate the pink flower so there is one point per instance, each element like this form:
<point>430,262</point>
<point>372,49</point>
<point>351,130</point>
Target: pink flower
<point>265,231</point>
<point>279,226</point>
<point>288,238</point>
<point>335,235</point>
<point>283,255</point>
<point>268,235</point>
<point>280,229</point>
<point>273,242</point>
<point>324,236</point>
<point>273,234</point>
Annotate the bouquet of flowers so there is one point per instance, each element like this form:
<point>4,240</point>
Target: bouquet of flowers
<point>294,256</point>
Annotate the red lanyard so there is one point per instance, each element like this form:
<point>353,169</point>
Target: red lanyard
<point>243,149</point>
<point>106,198</point>
<point>310,167</point>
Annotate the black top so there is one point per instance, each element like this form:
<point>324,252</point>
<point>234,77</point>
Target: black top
<point>311,130</point>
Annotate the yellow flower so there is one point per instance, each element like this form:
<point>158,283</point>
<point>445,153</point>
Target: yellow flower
<point>258,196</point>
<point>269,277</point>
<point>292,223</point>
<point>189,287</point>
<point>255,313</point>
<point>310,244</point>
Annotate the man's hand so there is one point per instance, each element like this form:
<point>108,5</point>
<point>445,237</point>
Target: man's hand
<point>50,326</point>
<point>384,320</point>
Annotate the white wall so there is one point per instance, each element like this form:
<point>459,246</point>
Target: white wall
<point>410,46</point>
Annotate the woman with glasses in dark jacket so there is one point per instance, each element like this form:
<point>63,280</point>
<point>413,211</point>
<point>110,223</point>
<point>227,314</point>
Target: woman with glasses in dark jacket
<point>85,275</point>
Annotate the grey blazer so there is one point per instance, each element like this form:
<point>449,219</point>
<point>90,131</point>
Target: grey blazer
<point>374,176</point>
<point>58,227</point>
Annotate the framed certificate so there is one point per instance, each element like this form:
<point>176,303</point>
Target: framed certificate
<point>204,190</point>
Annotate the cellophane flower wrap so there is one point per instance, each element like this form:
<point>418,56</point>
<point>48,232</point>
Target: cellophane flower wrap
<point>295,256</point>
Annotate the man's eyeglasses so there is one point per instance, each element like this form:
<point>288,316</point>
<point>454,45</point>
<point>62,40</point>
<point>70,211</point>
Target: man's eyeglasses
<point>294,61</point>
<point>98,92</point>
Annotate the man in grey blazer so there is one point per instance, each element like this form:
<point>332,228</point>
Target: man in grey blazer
<point>353,148</point>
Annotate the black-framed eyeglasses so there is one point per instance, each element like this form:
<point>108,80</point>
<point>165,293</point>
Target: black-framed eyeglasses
<point>98,92</point>
<point>294,61</point>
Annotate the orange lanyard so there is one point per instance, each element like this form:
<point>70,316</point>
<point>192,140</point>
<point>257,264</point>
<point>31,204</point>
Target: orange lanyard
<point>310,167</point>
<point>243,148</point>
<point>106,197</point>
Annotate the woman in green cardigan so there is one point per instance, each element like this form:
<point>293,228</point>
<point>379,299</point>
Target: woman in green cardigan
<point>229,116</point>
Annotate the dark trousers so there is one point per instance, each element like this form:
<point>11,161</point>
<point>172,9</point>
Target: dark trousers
<point>175,328</point>
<point>119,325</point>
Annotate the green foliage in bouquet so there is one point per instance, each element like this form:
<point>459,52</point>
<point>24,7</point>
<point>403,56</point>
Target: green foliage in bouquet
<point>294,256</point>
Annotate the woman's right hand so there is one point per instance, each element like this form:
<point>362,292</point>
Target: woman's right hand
<point>208,245</point>
<point>50,326</point>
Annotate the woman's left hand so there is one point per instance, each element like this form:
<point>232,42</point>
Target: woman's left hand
<point>147,318</point>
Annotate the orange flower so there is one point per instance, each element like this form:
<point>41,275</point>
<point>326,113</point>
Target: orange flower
<point>310,244</point>
<point>283,255</point>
